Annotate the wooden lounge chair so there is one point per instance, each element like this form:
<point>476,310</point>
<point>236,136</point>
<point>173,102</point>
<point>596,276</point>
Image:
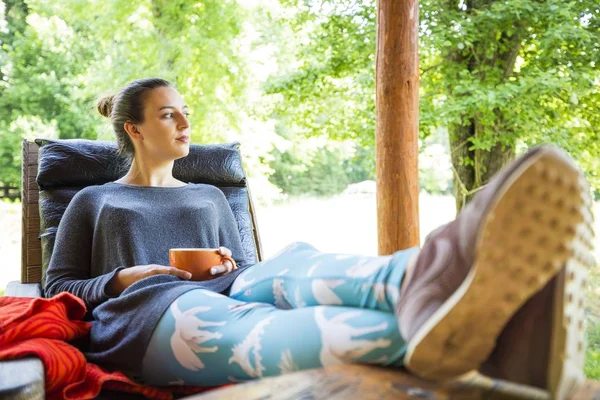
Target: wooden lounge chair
<point>54,170</point>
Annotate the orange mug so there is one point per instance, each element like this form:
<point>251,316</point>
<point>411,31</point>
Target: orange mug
<point>197,261</point>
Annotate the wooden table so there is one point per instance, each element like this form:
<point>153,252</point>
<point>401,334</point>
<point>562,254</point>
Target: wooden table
<point>368,382</point>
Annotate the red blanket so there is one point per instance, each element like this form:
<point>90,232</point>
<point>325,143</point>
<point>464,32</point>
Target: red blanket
<point>42,327</point>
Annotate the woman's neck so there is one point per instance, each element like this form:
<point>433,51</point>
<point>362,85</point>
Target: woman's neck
<point>150,174</point>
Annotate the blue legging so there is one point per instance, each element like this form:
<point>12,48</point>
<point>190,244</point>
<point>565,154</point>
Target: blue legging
<point>300,309</point>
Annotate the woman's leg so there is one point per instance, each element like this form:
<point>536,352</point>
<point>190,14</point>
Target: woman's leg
<point>302,276</point>
<point>208,339</point>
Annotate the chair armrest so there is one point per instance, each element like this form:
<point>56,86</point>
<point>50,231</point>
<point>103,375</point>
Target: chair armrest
<point>18,289</point>
<point>22,379</point>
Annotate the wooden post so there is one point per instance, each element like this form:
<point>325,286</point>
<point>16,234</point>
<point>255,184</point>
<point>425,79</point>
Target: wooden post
<point>397,106</point>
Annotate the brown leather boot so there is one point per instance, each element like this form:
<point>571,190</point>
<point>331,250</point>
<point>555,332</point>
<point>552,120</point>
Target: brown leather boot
<point>473,274</point>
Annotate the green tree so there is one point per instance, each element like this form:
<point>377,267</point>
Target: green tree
<point>499,75</point>
<point>58,57</point>
<point>192,44</point>
<point>329,90</point>
<point>41,59</point>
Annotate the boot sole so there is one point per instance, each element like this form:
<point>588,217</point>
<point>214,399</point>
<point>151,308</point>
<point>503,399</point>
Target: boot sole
<point>539,222</point>
<point>567,354</point>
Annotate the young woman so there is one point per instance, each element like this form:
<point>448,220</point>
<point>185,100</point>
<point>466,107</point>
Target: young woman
<point>438,310</point>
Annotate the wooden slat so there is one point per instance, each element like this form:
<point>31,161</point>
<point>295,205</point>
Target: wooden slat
<point>31,227</point>
<point>23,249</point>
<point>33,210</point>
<point>33,148</point>
<point>24,210</point>
<point>32,171</point>
<point>24,192</point>
<point>33,152</point>
<point>33,197</point>
<point>33,242</point>
<point>34,274</point>
<point>34,226</point>
<point>34,256</point>
<point>32,185</point>
<point>252,210</point>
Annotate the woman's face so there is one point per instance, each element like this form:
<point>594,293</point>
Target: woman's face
<point>166,129</point>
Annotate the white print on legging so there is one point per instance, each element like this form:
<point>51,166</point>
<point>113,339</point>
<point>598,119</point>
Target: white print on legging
<point>337,345</point>
<point>368,266</point>
<point>188,335</point>
<point>241,351</point>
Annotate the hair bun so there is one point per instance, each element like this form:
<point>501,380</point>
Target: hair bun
<point>105,106</point>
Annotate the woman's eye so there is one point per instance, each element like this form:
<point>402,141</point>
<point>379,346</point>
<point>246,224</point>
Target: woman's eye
<point>187,114</point>
<point>169,115</point>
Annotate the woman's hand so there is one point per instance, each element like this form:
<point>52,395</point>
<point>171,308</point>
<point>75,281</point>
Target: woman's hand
<point>227,265</point>
<point>128,276</point>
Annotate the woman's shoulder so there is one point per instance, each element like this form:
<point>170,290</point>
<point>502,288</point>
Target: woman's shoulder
<point>208,192</point>
<point>92,190</point>
<point>207,188</point>
<point>92,193</point>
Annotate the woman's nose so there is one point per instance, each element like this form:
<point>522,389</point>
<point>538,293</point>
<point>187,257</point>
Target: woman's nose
<point>183,122</point>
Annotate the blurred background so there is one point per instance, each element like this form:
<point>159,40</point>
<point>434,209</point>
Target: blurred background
<point>294,82</point>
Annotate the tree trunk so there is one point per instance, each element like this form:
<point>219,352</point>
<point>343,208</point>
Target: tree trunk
<point>464,175</point>
<point>473,168</point>
<point>488,163</point>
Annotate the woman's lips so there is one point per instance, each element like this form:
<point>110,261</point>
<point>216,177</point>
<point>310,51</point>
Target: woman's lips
<point>183,139</point>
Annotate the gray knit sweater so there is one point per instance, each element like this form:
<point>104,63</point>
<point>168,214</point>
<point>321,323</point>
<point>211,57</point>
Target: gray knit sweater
<point>114,226</point>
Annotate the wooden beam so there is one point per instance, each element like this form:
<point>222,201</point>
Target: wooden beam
<point>397,106</point>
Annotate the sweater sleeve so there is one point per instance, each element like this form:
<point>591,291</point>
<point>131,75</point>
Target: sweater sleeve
<point>70,264</point>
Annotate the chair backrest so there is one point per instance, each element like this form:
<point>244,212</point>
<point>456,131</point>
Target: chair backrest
<point>55,170</point>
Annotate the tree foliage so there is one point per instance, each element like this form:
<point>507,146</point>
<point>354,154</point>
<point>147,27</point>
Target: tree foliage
<point>499,75</point>
<point>504,74</point>
<point>58,57</point>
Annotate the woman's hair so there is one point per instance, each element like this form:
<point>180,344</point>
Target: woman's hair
<point>128,105</point>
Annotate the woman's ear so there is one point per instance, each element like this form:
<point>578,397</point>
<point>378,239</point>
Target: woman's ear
<point>133,131</point>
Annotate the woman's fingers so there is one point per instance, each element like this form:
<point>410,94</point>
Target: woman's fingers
<point>224,251</point>
<point>218,269</point>
<point>227,266</point>
<point>162,269</point>
<point>183,274</point>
